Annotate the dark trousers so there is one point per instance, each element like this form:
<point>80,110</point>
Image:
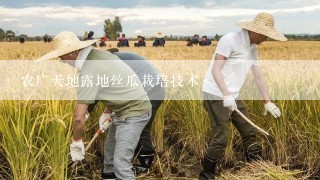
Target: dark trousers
<point>145,146</point>
<point>221,118</point>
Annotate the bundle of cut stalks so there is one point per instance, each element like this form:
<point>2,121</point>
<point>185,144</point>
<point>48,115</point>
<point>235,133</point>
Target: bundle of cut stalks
<point>261,170</point>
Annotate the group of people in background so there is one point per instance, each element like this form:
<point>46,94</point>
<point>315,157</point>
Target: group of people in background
<point>158,42</point>
<point>195,40</point>
<point>46,38</point>
<point>89,36</point>
<point>124,42</point>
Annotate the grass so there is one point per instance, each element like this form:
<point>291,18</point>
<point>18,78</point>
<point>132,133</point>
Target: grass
<point>34,139</point>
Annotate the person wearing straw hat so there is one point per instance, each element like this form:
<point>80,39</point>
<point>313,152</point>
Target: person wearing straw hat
<point>145,151</point>
<point>159,41</point>
<point>89,36</point>
<point>141,42</point>
<point>130,104</point>
<point>235,55</point>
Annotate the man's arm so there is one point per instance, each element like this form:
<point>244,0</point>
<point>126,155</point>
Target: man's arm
<point>78,120</point>
<point>261,83</point>
<point>217,75</point>
<point>228,99</point>
<point>268,105</point>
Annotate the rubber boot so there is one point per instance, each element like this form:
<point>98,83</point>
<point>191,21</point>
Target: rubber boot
<point>253,154</point>
<point>209,169</point>
<point>145,163</point>
<point>108,176</point>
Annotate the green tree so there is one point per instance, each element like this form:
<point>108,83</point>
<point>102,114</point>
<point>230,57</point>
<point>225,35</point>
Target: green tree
<point>117,26</point>
<point>112,28</point>
<point>113,33</point>
<point>217,37</point>
<point>2,34</point>
<point>106,29</point>
<point>10,35</point>
<point>109,29</point>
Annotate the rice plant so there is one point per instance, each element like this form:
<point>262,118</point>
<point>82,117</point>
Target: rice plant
<point>35,135</point>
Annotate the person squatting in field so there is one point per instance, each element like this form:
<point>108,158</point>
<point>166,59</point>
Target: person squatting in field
<point>159,41</point>
<point>131,113</point>
<point>123,41</point>
<point>235,55</point>
<point>141,42</point>
<point>145,71</point>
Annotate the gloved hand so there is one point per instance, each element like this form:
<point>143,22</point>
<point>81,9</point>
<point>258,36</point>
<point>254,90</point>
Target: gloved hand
<point>77,150</point>
<point>272,109</point>
<point>229,102</point>
<point>105,121</point>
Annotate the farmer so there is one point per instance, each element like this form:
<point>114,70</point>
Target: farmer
<point>141,42</point>
<point>131,113</point>
<point>123,41</point>
<point>21,39</point>
<point>103,41</point>
<point>195,39</point>
<point>205,41</point>
<point>90,37</point>
<point>235,55</point>
<point>159,41</point>
<point>189,42</point>
<point>145,71</point>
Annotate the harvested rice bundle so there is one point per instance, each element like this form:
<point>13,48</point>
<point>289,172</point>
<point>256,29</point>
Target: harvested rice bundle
<point>261,170</point>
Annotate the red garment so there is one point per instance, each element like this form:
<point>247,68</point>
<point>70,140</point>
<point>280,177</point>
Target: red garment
<point>103,39</point>
<point>121,39</point>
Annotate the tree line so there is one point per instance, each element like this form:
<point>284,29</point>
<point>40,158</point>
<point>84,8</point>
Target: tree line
<point>8,35</point>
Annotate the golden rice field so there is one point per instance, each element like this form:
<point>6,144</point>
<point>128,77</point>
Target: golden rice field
<point>292,50</point>
<point>35,135</point>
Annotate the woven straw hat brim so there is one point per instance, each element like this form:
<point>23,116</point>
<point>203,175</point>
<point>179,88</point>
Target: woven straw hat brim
<point>159,35</point>
<point>270,32</point>
<point>62,51</point>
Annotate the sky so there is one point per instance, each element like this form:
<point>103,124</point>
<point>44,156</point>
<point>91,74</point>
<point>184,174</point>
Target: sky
<point>145,17</point>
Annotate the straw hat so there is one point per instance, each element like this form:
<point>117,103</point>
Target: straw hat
<point>159,35</point>
<point>64,43</point>
<point>263,23</point>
